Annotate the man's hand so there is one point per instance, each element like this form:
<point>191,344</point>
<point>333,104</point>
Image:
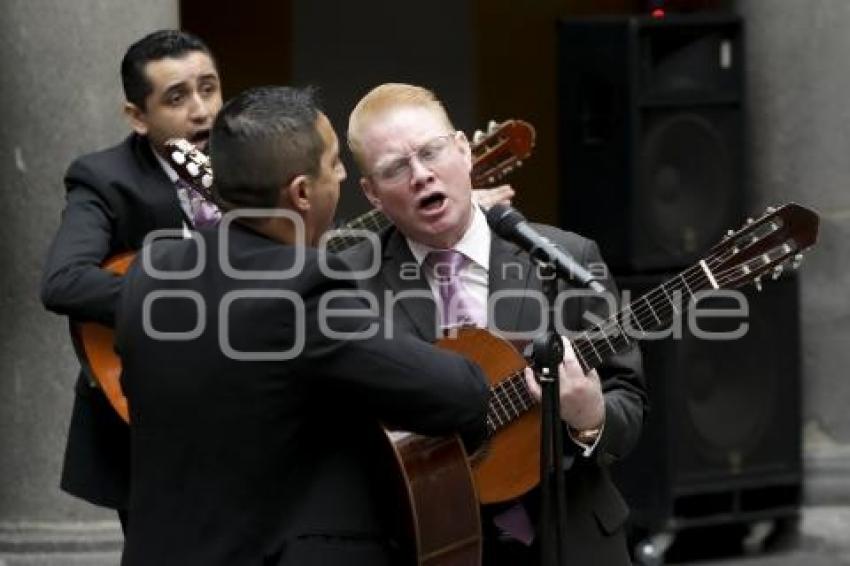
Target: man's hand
<point>582,402</point>
<point>497,195</point>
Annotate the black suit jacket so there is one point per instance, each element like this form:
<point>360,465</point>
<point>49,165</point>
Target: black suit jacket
<point>115,198</point>
<point>270,461</point>
<point>596,511</point>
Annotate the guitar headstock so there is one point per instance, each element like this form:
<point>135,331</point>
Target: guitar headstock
<point>191,164</point>
<point>766,245</point>
<point>500,150</point>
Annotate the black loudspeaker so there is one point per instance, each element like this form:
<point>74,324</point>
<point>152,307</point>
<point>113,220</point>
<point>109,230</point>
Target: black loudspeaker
<point>722,441</point>
<point>650,135</point>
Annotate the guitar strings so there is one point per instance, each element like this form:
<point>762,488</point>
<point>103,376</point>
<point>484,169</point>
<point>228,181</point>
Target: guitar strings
<point>657,302</point>
<point>512,393</point>
<point>693,278</point>
<point>374,221</point>
<point>511,397</point>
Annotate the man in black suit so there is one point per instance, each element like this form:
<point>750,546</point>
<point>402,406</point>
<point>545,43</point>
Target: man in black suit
<point>115,198</point>
<point>255,385</point>
<point>416,170</point>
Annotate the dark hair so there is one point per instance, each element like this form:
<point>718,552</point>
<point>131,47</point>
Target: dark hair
<point>262,139</point>
<point>153,47</point>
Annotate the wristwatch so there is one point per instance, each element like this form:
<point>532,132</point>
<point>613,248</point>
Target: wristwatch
<point>588,436</point>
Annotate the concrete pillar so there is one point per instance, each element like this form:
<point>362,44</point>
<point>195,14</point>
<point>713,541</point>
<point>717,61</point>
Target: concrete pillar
<point>60,97</point>
<point>799,149</point>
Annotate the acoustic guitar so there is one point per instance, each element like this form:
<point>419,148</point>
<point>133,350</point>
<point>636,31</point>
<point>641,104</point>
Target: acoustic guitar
<point>495,154</point>
<point>437,470</point>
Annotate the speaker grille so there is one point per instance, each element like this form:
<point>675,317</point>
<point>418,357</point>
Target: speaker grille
<point>724,416</point>
<point>686,187</point>
<point>651,116</point>
<point>729,390</point>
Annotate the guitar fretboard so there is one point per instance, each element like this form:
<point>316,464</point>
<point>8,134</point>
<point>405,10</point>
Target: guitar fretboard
<point>510,398</point>
<point>373,221</point>
<point>647,313</point>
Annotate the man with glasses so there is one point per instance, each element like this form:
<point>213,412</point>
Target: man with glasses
<point>440,267</point>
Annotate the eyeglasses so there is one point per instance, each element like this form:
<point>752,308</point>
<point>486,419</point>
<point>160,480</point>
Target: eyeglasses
<point>399,169</point>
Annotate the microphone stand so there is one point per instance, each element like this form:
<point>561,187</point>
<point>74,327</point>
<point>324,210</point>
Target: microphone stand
<point>547,354</point>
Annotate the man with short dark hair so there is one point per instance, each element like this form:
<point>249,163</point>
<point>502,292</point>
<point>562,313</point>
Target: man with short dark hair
<point>257,441</point>
<point>115,197</point>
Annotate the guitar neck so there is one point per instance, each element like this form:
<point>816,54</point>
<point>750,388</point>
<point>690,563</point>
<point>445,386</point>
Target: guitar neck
<point>510,398</point>
<point>649,312</point>
<point>762,247</point>
<point>372,221</point>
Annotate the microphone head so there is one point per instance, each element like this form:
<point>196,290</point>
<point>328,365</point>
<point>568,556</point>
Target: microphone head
<point>503,218</point>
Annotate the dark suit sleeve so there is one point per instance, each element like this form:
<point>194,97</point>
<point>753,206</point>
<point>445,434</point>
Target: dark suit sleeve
<point>405,382</point>
<point>621,376</point>
<point>73,283</point>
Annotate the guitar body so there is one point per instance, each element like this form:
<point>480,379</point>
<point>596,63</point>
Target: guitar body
<point>431,473</point>
<point>95,347</point>
<point>510,464</point>
<point>436,475</point>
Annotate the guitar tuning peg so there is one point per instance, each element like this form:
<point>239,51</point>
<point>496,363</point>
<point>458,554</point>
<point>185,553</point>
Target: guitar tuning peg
<point>477,136</point>
<point>518,164</point>
<point>206,180</point>
<point>757,283</point>
<point>192,168</point>
<point>771,209</point>
<point>491,126</point>
<point>178,157</point>
<point>798,259</point>
<point>750,220</point>
<point>730,232</point>
<point>777,272</point>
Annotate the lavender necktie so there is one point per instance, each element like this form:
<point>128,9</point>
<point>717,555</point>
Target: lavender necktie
<point>457,306</point>
<point>204,212</point>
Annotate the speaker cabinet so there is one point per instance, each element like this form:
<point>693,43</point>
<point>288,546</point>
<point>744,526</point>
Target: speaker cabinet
<point>650,135</point>
<point>722,440</point>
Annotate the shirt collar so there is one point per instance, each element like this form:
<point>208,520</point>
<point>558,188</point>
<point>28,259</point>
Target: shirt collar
<point>475,243</point>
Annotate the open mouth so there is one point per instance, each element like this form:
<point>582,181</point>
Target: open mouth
<point>432,202</point>
<point>200,138</point>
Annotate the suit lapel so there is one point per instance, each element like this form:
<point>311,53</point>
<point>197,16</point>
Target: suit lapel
<point>402,275</point>
<point>511,281</point>
<point>167,211</point>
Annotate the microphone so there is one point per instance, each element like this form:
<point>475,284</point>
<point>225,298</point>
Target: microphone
<point>511,225</point>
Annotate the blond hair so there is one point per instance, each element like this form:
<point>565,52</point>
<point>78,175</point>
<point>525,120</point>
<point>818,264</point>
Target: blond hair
<point>382,99</point>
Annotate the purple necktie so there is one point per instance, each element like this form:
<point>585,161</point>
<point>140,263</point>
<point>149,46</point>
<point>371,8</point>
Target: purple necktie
<point>204,212</point>
<point>514,523</point>
<point>457,306</point>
